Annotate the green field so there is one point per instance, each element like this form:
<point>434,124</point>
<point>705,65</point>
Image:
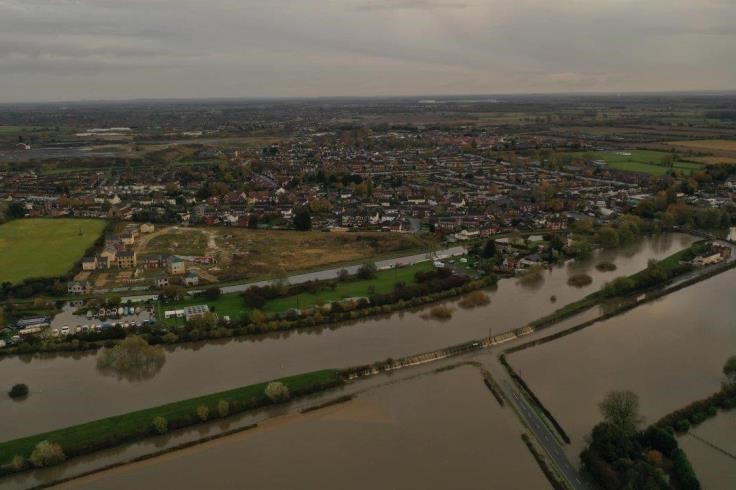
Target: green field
<point>85,438</point>
<point>233,305</point>
<point>642,161</point>
<point>44,247</point>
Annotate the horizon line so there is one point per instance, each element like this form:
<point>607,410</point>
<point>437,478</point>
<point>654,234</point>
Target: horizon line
<point>619,93</point>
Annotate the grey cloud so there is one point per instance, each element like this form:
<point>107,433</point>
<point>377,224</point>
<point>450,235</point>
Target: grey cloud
<point>407,4</point>
<point>143,48</point>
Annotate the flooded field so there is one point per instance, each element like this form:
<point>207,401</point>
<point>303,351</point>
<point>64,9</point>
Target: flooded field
<point>441,430</point>
<point>715,469</point>
<point>670,352</point>
<point>68,389</point>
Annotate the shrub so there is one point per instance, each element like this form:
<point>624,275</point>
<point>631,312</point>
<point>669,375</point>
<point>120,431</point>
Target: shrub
<point>476,298</point>
<point>19,390</point>
<point>18,462</point>
<point>47,453</point>
<point>277,392</point>
<point>223,408</point>
<point>203,413</point>
<point>579,280</point>
<point>441,312</point>
<point>160,425</point>
<point>683,471</point>
<point>698,418</point>
<point>606,267</point>
<point>367,271</point>
<point>682,425</point>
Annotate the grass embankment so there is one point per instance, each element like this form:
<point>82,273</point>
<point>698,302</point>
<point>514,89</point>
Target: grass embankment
<point>112,431</point>
<point>42,247</point>
<point>234,306</point>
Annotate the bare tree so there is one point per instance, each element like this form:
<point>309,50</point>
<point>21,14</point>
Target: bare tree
<point>621,408</point>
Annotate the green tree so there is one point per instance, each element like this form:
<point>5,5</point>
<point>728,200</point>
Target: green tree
<point>608,237</point>
<point>302,219</point>
<point>489,249</point>
<point>132,359</point>
<point>367,271</point>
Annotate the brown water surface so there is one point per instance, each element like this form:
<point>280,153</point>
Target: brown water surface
<point>715,470</point>
<point>441,430</point>
<point>670,352</point>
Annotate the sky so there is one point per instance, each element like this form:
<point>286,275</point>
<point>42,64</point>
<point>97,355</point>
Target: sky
<point>53,50</point>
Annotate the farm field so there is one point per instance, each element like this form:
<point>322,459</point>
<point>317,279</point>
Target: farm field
<point>643,161</point>
<point>44,247</point>
<point>715,145</point>
<point>243,253</point>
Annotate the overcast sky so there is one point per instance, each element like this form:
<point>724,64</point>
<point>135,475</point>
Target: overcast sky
<point>119,49</point>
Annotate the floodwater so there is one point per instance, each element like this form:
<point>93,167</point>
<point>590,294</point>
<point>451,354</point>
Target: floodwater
<point>670,352</point>
<point>67,389</point>
<point>442,430</point>
<point>715,470</point>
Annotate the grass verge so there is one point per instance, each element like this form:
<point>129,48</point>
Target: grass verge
<point>112,431</point>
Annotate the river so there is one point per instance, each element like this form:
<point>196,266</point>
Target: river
<point>670,352</point>
<point>67,389</point>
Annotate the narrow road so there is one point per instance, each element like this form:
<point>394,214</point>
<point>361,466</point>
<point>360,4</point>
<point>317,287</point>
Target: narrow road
<point>319,275</point>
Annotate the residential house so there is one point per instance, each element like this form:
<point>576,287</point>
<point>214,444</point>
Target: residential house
<point>79,287</point>
<point>127,259</point>
<point>191,279</point>
<point>89,263</point>
<point>176,266</point>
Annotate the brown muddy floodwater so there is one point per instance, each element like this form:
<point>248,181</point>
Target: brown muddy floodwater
<point>442,430</point>
<point>68,389</point>
<point>670,352</point>
<point>715,470</point>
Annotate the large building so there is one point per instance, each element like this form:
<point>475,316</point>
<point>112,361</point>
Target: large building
<point>127,259</point>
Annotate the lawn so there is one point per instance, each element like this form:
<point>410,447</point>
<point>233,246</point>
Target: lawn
<point>642,161</point>
<point>44,247</point>
<point>84,438</point>
<point>383,283</point>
